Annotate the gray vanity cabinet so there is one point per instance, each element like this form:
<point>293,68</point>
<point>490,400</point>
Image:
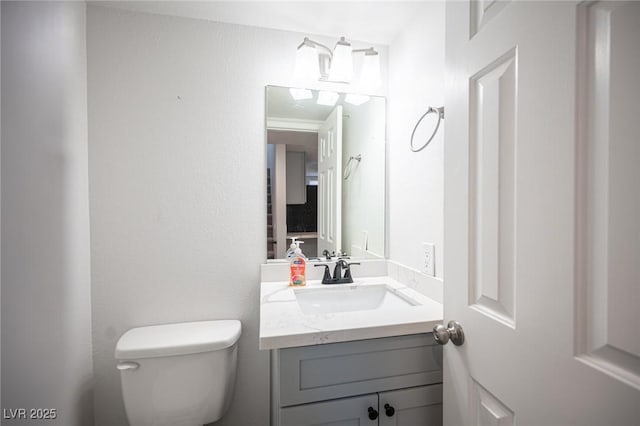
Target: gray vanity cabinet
<point>338,412</point>
<point>392,381</point>
<point>407,407</point>
<point>415,406</point>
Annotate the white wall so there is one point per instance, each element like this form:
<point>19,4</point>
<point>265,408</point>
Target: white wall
<point>416,80</point>
<point>363,200</point>
<point>178,184</point>
<point>46,302</point>
<point>0,212</point>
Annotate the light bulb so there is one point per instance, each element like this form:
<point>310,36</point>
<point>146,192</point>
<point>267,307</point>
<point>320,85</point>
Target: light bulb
<point>355,99</point>
<point>300,94</point>
<point>327,98</point>
<point>341,63</point>
<point>307,67</point>
<point>370,76</point>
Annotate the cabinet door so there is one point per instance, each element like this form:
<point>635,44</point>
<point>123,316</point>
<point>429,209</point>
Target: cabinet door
<point>409,407</point>
<point>352,411</point>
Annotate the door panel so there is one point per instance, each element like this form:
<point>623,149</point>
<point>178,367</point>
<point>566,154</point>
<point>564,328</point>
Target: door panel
<point>486,409</point>
<point>329,183</point>
<point>482,11</point>
<point>609,231</point>
<point>541,206</point>
<point>492,103</point>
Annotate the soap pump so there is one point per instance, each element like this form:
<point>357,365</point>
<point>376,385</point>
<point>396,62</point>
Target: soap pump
<point>292,247</point>
<point>295,244</point>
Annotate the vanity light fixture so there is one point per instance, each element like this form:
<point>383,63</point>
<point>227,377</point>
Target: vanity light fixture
<point>300,94</point>
<point>315,61</point>
<point>327,98</point>
<point>355,99</point>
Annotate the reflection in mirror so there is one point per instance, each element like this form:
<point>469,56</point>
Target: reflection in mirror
<point>325,172</point>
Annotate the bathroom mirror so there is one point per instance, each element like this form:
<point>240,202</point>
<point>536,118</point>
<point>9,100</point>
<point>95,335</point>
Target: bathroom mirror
<point>325,172</point>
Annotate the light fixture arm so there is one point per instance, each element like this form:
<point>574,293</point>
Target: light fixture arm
<point>367,51</point>
<point>324,57</point>
<point>313,43</point>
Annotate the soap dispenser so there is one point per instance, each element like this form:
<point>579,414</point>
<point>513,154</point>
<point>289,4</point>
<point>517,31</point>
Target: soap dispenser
<point>298,265</point>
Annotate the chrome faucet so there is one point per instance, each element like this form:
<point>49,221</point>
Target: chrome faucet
<point>328,255</point>
<point>338,276</point>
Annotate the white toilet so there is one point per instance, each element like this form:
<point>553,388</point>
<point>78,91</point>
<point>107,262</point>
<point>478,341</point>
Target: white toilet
<point>178,374</point>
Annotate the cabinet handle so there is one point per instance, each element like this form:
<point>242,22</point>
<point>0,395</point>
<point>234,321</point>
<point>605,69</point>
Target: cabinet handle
<point>389,410</point>
<point>373,414</point>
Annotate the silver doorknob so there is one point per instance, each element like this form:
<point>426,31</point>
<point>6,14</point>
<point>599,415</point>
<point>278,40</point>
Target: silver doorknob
<point>453,331</point>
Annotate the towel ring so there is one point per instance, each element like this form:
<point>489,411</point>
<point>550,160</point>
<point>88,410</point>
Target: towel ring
<point>440,112</point>
<point>350,167</point>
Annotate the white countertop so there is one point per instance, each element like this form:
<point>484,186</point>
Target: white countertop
<point>283,325</point>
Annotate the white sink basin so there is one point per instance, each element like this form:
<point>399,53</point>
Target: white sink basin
<point>348,298</point>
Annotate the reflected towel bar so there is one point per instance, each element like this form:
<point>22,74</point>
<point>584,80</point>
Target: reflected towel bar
<point>348,169</point>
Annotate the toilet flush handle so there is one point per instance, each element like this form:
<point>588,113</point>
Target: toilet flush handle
<point>127,366</point>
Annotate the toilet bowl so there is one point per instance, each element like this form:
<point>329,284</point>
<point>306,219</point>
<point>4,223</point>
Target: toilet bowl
<point>178,374</point>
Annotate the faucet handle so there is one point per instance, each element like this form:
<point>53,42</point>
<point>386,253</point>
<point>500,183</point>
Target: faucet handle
<point>326,277</point>
<point>347,273</point>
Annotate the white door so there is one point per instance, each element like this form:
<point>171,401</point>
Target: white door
<point>329,183</point>
<point>542,213</point>
<point>279,207</point>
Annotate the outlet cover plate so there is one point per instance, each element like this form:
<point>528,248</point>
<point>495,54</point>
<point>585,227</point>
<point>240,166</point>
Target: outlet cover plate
<point>429,259</point>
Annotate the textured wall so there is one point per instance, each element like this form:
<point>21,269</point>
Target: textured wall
<point>177,184</point>
<point>416,80</point>
<point>363,194</point>
<point>46,299</point>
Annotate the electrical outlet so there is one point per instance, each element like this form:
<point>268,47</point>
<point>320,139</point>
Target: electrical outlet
<point>429,259</point>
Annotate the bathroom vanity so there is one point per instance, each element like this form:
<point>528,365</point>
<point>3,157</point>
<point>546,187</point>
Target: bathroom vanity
<point>348,354</point>
<point>387,381</point>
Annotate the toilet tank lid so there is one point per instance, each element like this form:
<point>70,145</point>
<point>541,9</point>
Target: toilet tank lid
<point>178,339</point>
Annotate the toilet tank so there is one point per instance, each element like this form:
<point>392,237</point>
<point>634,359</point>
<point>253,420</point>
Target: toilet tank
<point>178,374</point>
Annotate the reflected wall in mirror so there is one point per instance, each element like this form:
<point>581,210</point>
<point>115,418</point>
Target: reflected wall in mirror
<point>325,172</point>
